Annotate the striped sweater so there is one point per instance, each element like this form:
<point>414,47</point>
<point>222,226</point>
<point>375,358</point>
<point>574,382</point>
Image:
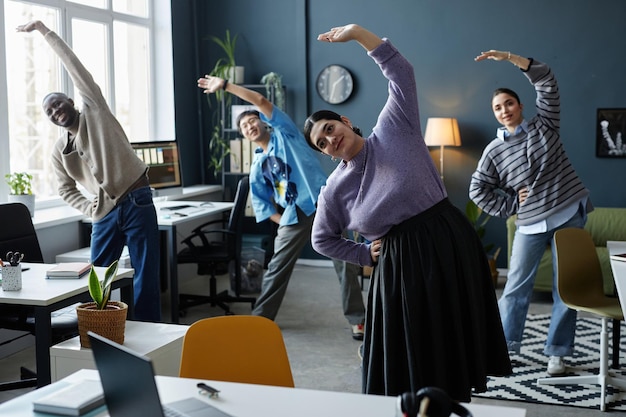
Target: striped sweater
<point>535,159</point>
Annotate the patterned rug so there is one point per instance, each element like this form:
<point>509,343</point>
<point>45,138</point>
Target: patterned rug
<point>531,364</point>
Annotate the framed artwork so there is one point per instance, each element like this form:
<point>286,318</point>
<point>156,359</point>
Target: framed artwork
<point>610,131</point>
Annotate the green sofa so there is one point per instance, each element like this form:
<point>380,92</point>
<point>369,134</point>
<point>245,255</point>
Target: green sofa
<point>604,223</point>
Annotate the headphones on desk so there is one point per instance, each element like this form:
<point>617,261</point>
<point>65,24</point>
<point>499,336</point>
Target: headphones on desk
<point>439,404</point>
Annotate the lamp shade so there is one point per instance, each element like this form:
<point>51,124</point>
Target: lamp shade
<point>442,131</point>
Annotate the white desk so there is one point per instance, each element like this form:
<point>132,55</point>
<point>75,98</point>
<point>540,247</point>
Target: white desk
<point>247,400</point>
<point>162,343</point>
<point>618,266</point>
<point>48,295</point>
<point>167,223</point>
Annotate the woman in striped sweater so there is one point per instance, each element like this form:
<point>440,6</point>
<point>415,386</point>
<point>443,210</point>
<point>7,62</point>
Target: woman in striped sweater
<point>525,171</point>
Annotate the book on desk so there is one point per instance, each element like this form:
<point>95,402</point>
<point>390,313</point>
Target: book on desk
<point>73,400</point>
<point>68,270</point>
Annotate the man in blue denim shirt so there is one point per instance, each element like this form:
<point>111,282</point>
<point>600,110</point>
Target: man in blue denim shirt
<point>285,181</point>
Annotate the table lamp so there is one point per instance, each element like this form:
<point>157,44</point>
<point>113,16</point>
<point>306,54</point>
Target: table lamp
<point>442,131</point>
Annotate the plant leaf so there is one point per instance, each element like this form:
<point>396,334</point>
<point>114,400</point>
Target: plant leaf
<point>109,275</point>
<point>95,290</point>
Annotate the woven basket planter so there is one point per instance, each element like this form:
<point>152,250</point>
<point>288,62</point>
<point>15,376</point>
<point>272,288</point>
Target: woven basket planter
<point>109,323</point>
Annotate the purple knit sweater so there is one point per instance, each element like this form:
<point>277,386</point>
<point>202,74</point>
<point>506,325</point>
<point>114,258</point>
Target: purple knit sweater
<point>390,180</point>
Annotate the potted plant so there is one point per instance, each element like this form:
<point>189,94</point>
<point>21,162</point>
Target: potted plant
<point>20,184</point>
<point>227,67</point>
<point>274,84</point>
<point>102,316</point>
<point>478,218</point>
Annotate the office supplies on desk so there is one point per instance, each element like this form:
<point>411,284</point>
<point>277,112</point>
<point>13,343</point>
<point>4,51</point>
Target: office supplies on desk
<point>130,388</point>
<point>174,208</point>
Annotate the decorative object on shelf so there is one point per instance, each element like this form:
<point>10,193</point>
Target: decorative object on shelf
<point>610,129</point>
<point>102,316</point>
<point>274,83</point>
<point>335,84</point>
<point>442,131</point>
<point>21,187</point>
<point>479,219</point>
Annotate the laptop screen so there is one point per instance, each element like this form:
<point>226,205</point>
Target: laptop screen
<point>127,379</point>
<point>163,160</point>
<point>130,389</point>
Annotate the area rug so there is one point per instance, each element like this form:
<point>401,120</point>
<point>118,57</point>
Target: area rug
<point>531,364</point>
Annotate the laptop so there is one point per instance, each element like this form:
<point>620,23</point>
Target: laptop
<point>130,389</point>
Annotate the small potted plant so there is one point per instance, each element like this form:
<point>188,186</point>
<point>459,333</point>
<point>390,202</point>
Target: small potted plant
<point>20,184</point>
<point>102,316</point>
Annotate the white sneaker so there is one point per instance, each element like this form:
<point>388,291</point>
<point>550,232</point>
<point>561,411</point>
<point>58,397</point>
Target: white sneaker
<point>556,366</point>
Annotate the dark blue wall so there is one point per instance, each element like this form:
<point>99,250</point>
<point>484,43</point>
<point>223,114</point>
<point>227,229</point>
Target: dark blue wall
<point>581,40</point>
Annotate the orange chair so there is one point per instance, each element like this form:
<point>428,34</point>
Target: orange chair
<point>248,349</point>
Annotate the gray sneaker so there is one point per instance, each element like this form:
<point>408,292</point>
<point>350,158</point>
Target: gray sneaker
<point>556,366</point>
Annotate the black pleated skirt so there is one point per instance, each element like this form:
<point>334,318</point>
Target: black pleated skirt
<point>432,316</point>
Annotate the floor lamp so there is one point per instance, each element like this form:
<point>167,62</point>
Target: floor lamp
<point>442,131</point>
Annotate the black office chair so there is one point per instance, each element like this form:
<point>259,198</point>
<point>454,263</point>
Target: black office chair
<point>214,256</point>
<point>18,234</point>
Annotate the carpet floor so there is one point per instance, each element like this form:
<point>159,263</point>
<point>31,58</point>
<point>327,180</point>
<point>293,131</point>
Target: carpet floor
<point>531,364</point>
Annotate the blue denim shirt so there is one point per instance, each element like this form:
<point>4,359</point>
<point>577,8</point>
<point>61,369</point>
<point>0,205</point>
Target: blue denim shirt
<point>288,174</point>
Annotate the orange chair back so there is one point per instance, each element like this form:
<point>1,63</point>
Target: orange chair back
<point>248,349</point>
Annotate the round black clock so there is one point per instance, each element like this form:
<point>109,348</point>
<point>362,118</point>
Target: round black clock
<point>334,84</point>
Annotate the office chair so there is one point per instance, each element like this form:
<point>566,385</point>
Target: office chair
<point>248,349</point>
<point>580,285</point>
<point>212,255</point>
<point>18,234</point>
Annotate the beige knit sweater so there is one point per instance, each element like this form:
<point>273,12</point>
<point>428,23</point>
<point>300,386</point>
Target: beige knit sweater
<point>102,160</point>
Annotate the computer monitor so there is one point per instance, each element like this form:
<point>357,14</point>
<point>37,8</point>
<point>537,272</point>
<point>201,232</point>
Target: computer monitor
<point>163,161</point>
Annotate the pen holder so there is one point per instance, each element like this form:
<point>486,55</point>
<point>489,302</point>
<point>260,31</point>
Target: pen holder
<point>12,278</point>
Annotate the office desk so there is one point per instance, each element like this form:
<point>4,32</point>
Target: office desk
<point>168,221</point>
<point>47,295</point>
<point>618,266</point>
<point>247,400</point>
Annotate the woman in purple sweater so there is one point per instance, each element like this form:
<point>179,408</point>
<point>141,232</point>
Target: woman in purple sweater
<point>432,317</point>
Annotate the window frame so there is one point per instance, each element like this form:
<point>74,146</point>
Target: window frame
<point>161,103</point>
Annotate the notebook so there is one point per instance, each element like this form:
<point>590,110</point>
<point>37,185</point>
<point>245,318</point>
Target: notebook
<point>68,270</point>
<point>130,389</point>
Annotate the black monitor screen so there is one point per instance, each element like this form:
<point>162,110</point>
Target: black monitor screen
<point>163,162</point>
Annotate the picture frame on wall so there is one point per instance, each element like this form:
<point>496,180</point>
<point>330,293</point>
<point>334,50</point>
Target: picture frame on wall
<point>611,133</point>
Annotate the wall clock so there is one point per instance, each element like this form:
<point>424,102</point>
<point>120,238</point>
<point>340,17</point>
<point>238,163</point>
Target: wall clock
<point>334,84</point>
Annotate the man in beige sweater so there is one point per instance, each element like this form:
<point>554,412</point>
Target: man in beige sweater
<point>96,153</point>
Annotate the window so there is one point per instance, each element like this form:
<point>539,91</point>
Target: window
<point>114,39</point>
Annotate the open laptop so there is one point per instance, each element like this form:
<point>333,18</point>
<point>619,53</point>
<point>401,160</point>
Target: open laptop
<point>130,389</point>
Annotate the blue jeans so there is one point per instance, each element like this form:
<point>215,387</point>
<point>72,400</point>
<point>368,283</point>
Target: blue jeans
<point>513,304</point>
<point>133,222</point>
